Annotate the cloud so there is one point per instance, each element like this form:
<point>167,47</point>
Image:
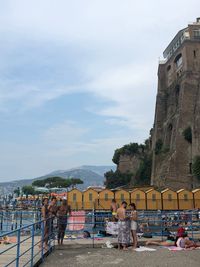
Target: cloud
<point>103,51</point>
<point>67,132</point>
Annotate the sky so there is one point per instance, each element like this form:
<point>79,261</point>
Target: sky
<point>78,79</point>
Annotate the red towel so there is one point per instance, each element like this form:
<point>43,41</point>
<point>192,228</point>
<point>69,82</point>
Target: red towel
<point>76,220</point>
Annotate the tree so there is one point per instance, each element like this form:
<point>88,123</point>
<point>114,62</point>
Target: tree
<point>59,182</point>
<point>129,149</point>
<point>143,174</point>
<point>116,179</point>
<point>28,190</point>
<point>75,181</point>
<point>17,191</point>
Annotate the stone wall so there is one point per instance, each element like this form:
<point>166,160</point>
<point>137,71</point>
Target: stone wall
<point>177,107</point>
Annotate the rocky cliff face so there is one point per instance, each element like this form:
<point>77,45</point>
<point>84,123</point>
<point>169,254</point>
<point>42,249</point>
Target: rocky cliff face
<point>129,164</point>
<point>177,109</point>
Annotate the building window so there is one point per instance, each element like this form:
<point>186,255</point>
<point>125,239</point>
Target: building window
<point>137,197</point>
<point>196,34</point>
<point>185,197</point>
<point>90,196</point>
<point>169,68</point>
<point>170,197</point>
<point>178,60</point>
<point>153,197</point>
<point>194,53</point>
<point>74,197</point>
<point>106,196</point>
<point>122,197</point>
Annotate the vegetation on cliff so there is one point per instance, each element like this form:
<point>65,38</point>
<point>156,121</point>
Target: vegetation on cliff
<point>116,179</point>
<point>130,149</point>
<point>196,167</point>
<point>141,176</point>
<point>187,133</point>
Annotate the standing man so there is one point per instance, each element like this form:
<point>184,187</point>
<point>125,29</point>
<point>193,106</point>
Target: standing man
<point>124,227</point>
<point>63,211</point>
<point>52,208</point>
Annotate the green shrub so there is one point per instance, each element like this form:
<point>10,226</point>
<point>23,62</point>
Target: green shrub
<point>187,133</point>
<point>158,146</point>
<point>196,167</point>
<point>130,149</point>
<point>116,179</point>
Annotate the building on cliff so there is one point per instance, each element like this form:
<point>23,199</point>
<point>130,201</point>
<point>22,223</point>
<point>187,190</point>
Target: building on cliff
<point>176,131</point>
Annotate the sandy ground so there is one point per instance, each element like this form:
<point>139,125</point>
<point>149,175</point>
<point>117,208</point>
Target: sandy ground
<point>89,257</point>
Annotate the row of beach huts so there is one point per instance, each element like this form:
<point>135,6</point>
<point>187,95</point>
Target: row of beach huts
<point>145,199</point>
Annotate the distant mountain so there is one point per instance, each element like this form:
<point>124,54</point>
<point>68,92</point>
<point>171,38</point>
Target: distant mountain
<point>91,175</point>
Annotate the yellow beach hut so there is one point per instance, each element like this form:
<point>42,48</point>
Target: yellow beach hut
<point>122,195</point>
<point>196,197</point>
<point>105,198</point>
<point>139,198</point>
<point>169,199</point>
<point>185,199</point>
<point>90,198</point>
<point>153,198</point>
<point>75,199</point>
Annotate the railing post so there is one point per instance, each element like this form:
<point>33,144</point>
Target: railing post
<point>32,244</point>
<point>18,247</point>
<point>42,241</point>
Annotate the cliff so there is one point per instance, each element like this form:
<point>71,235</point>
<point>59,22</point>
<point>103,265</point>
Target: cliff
<point>176,132</point>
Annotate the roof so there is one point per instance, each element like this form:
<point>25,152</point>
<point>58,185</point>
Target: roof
<point>180,190</point>
<point>138,189</point>
<point>196,190</point>
<point>174,40</point>
<point>167,189</point>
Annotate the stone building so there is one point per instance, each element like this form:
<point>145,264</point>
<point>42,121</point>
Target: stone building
<point>177,110</point>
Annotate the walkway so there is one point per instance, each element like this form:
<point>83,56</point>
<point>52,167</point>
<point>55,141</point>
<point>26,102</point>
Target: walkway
<point>92,257</point>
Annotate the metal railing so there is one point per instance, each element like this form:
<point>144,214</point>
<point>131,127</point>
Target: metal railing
<point>31,243</point>
<point>27,245</point>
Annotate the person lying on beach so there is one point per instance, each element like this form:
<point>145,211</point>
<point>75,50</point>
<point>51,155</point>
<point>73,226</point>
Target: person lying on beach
<point>185,242</point>
<point>5,240</point>
<point>167,243</point>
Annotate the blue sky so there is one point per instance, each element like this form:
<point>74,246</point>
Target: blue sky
<point>78,79</point>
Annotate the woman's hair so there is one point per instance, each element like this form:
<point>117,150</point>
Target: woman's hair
<point>133,205</point>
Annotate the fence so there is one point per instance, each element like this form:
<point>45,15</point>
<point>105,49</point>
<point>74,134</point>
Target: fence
<point>31,243</point>
<point>25,245</point>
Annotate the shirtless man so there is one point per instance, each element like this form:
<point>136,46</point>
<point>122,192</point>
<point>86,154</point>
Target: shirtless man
<point>124,227</point>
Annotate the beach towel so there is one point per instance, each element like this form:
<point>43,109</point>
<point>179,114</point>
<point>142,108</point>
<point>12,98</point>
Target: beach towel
<point>76,221</point>
<point>141,249</point>
<point>124,232</point>
<point>112,228</point>
<point>174,248</point>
